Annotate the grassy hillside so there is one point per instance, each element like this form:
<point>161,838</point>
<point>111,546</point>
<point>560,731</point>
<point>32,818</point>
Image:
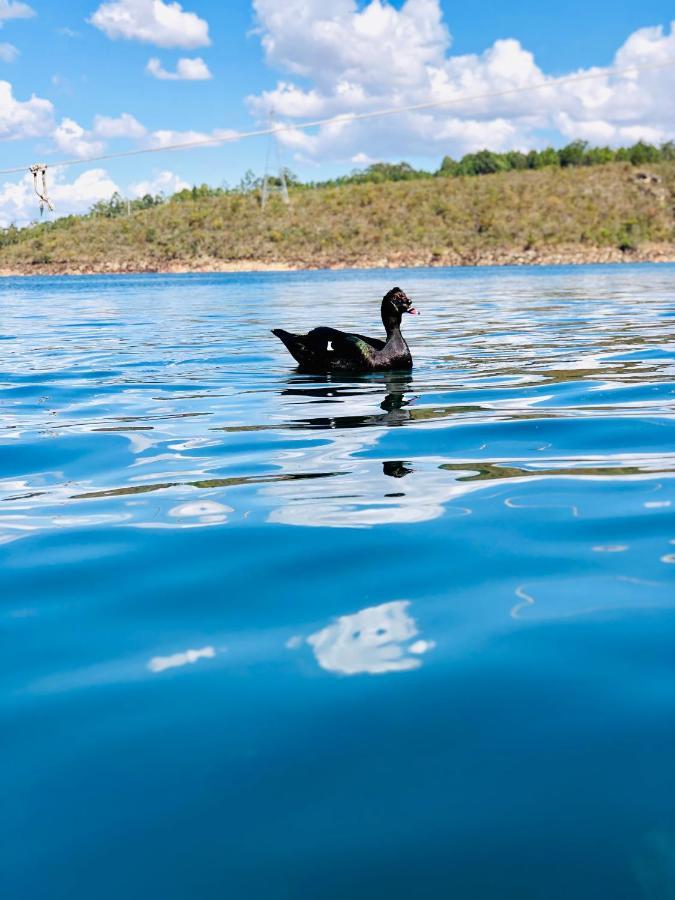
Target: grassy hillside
<point>553,214</point>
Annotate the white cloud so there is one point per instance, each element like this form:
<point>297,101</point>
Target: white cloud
<point>161,663</point>
<point>23,119</point>
<point>362,159</point>
<point>351,59</point>
<point>166,137</point>
<point>35,118</point>
<point>153,22</point>
<point>19,204</point>
<point>12,9</point>
<point>86,189</point>
<point>186,70</point>
<point>332,40</point>
<point>8,52</point>
<point>71,138</point>
<point>123,126</point>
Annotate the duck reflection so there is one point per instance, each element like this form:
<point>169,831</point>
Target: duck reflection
<point>331,390</point>
<point>395,468</point>
<point>359,497</point>
<point>373,641</point>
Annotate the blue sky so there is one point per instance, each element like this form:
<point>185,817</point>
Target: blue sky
<point>73,69</point>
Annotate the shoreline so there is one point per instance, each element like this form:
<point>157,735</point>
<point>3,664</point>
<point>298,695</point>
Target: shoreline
<point>562,256</point>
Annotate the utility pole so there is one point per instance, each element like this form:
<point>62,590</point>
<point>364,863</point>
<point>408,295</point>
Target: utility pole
<point>282,185</point>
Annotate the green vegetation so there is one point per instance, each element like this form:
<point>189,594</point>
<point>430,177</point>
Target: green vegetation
<point>487,162</point>
<point>573,204</point>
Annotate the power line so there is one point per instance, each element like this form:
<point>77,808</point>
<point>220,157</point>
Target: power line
<point>350,117</point>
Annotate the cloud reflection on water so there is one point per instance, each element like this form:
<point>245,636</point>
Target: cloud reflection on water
<point>202,512</point>
<point>161,663</point>
<point>372,641</point>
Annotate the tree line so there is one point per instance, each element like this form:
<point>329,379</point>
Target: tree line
<point>483,162</point>
<point>487,162</point>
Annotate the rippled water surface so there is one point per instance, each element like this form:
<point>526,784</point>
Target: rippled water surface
<point>270,635</point>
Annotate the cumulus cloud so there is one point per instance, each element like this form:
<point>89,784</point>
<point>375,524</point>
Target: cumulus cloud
<point>8,52</point>
<point>167,137</point>
<point>13,9</point>
<point>35,118</point>
<point>23,119</point>
<point>356,58</point>
<point>152,22</point>
<point>72,139</point>
<point>123,126</point>
<point>332,40</point>
<point>19,204</point>
<point>186,70</point>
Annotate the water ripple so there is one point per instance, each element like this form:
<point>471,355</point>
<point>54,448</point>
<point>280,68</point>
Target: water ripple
<point>199,544</point>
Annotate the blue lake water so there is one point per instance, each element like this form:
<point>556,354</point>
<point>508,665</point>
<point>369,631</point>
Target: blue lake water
<point>270,635</point>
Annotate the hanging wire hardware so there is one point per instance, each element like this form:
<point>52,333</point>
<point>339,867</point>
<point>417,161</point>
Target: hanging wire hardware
<point>41,169</point>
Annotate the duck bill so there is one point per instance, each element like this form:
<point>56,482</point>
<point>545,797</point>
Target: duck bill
<point>412,311</point>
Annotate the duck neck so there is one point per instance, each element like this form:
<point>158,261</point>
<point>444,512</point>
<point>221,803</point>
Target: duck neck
<point>392,325</point>
<point>396,342</point>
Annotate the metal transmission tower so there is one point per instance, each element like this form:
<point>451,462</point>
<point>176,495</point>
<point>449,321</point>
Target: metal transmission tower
<point>280,185</point>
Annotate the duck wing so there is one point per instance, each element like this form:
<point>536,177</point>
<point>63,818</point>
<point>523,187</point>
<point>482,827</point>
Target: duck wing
<point>333,349</point>
<point>327,349</point>
<point>375,343</point>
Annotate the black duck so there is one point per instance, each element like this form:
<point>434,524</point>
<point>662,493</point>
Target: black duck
<point>330,350</point>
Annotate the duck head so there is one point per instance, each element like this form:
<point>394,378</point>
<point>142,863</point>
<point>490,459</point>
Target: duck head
<point>394,304</point>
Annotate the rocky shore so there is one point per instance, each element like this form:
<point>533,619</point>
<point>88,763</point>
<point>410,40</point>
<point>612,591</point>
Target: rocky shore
<point>563,255</point>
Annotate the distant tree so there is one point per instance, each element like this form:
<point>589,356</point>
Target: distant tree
<point>642,153</point>
<point>538,159</point>
<point>573,154</point>
<point>201,191</point>
<point>182,196</point>
<point>377,173</point>
<point>147,201</point>
<point>196,192</point>
<point>402,171</point>
<point>598,156</point>
<point>250,182</point>
<point>448,166</point>
<point>292,179</point>
<point>485,162</point>
<point>115,206</point>
<point>668,151</point>
<point>9,235</point>
<point>516,160</point>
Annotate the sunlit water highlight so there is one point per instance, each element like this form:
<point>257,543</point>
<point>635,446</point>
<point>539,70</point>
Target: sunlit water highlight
<point>285,636</point>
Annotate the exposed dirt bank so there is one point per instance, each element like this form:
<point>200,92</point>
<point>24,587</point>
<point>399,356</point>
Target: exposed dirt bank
<point>562,255</point>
